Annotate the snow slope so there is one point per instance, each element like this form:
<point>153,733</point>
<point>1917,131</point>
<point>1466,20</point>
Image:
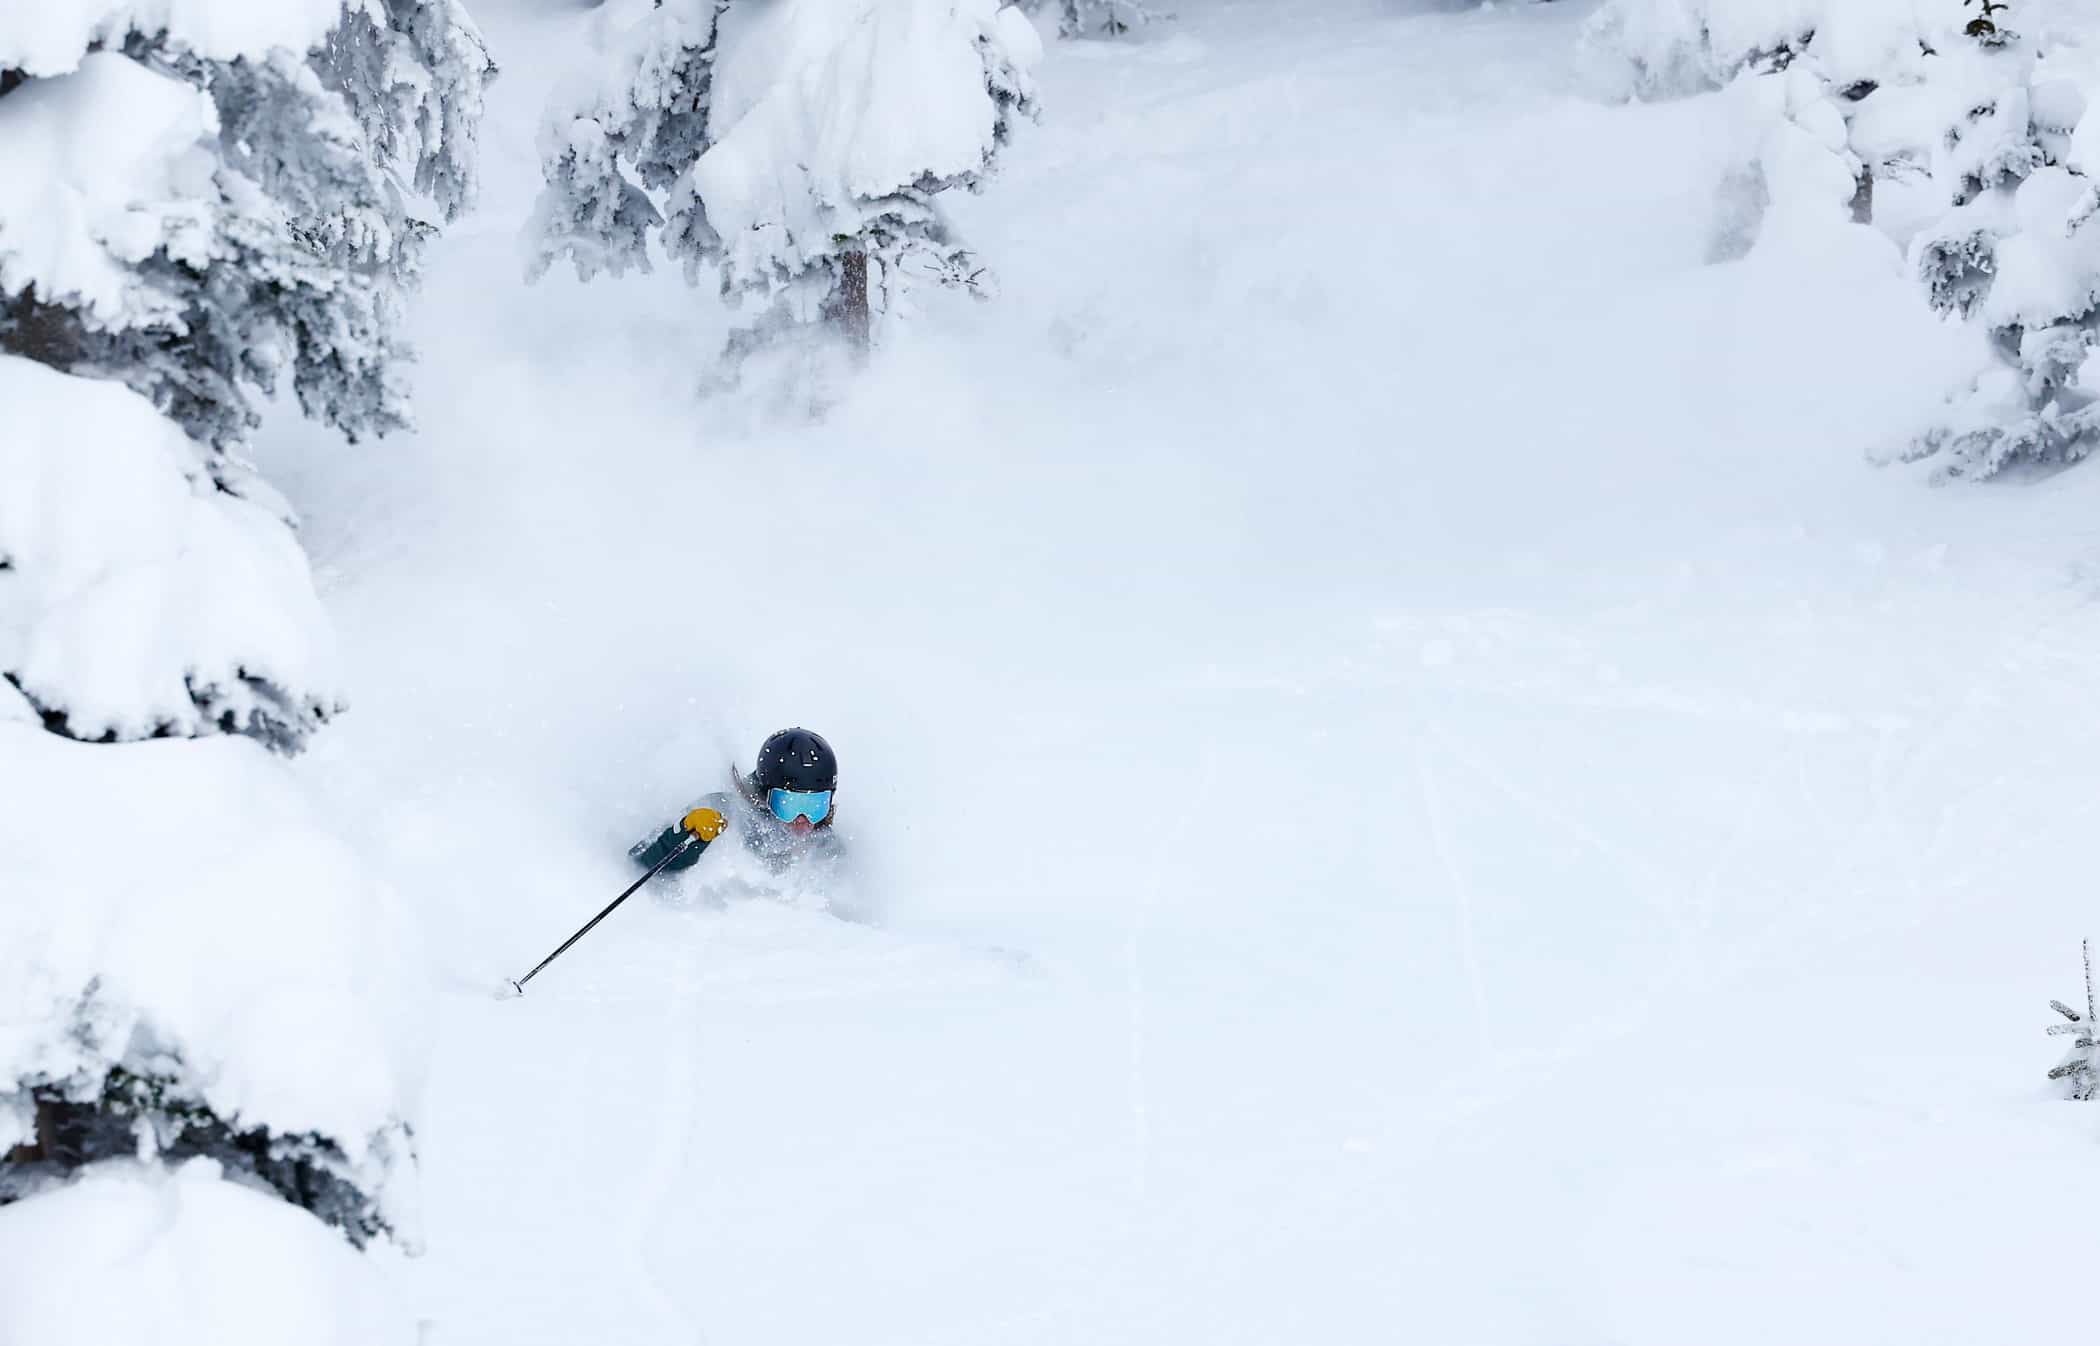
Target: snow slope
<point>1416,784</point>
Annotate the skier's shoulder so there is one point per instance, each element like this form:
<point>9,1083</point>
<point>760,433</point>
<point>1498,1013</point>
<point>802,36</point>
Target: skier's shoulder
<point>721,801</point>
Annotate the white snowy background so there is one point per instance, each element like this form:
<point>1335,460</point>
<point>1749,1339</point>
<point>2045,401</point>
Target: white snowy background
<point>1413,781</point>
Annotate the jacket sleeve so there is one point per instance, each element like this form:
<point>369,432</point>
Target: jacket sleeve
<point>648,854</point>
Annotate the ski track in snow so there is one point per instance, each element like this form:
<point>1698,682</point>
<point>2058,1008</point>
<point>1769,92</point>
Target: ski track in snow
<point>1406,795</point>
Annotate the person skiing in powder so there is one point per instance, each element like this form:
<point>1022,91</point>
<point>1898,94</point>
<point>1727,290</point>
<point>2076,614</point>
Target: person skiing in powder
<point>782,812</point>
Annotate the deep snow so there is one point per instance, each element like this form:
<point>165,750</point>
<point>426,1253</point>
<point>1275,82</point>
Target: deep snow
<point>169,1239</point>
<point>1417,783</point>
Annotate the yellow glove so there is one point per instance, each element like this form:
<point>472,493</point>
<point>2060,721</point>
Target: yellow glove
<point>705,824</point>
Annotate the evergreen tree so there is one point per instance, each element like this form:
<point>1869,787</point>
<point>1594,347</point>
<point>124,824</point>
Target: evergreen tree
<point>109,1087</point>
<point>2018,252</point>
<point>1098,18</point>
<point>289,248</point>
<point>412,73</point>
<point>1952,104</point>
<point>203,220</point>
<point>721,129</point>
<point>198,204</point>
<point>637,128</point>
<point>2080,1068</point>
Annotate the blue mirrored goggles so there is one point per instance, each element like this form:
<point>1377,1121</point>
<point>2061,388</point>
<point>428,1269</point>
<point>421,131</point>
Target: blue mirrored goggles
<point>788,805</point>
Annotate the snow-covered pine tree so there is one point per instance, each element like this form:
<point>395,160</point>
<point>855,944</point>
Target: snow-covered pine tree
<point>1861,54</point>
<point>197,203</point>
<point>2080,1068</point>
<point>283,244</point>
<point>2018,253</point>
<point>1961,141</point>
<point>720,129</point>
<point>210,1048</point>
<point>413,73</point>
<point>633,125</point>
<point>199,212</point>
<point>1098,18</point>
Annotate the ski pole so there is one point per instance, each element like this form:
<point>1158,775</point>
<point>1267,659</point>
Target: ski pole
<point>680,849</point>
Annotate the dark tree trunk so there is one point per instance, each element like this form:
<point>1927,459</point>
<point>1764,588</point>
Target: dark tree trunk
<point>847,309</point>
<point>1863,197</point>
<point>42,1145</point>
<point>42,332</point>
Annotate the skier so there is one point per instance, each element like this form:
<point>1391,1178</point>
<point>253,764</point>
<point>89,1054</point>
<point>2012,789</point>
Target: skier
<point>782,812</point>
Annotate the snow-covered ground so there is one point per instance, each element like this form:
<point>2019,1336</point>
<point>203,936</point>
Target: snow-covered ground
<point>1412,781</point>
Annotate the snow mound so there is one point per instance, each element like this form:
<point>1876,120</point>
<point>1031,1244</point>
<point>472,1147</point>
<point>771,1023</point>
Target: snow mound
<point>132,1252</point>
<point>140,599</point>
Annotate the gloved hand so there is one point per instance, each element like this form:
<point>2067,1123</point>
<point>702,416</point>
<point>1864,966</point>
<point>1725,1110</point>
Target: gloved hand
<point>706,824</point>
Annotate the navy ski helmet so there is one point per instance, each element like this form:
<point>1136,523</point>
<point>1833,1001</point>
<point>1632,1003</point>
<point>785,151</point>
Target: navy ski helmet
<point>795,759</point>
